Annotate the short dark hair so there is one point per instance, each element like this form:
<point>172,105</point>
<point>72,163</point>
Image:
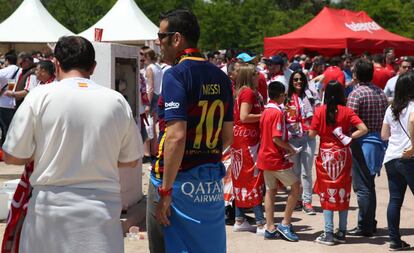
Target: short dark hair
<point>48,66</point>
<point>364,70</point>
<point>378,58</point>
<point>75,52</point>
<point>335,61</point>
<point>275,89</point>
<point>409,59</point>
<point>144,47</point>
<point>345,57</point>
<point>184,22</point>
<point>25,56</point>
<point>11,57</point>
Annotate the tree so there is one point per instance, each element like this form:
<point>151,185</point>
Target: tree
<point>237,24</point>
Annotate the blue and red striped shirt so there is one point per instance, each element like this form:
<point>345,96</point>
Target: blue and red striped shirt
<point>199,93</point>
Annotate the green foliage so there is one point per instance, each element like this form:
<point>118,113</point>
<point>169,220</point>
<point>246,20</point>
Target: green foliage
<point>238,24</point>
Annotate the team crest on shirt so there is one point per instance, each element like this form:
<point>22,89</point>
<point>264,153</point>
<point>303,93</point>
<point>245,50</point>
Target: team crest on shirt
<point>333,161</point>
<point>236,162</point>
<point>279,127</point>
<point>83,85</point>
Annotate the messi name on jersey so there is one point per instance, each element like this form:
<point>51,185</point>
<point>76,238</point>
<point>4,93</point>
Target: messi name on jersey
<point>211,89</point>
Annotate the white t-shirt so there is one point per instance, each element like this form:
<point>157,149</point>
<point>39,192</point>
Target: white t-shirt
<point>5,74</point>
<point>157,74</point>
<point>77,131</point>
<point>280,78</point>
<point>398,140</point>
<point>31,81</point>
<point>389,88</point>
<point>164,68</point>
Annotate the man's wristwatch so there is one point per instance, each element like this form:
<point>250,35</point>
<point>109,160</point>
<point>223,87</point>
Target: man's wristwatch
<point>164,193</point>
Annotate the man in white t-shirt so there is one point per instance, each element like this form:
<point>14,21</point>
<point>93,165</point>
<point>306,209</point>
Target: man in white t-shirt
<point>277,72</point>
<point>7,103</point>
<point>78,133</point>
<point>405,66</point>
<point>25,79</point>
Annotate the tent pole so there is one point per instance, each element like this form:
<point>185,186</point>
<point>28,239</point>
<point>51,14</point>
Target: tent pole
<point>346,51</point>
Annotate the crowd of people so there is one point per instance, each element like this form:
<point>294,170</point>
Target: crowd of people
<point>344,101</point>
<point>280,106</point>
<point>20,74</point>
<point>266,112</point>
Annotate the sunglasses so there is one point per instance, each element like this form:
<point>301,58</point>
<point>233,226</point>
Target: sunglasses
<point>163,35</point>
<point>297,79</point>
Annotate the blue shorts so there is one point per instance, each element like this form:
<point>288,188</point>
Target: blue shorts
<point>197,221</point>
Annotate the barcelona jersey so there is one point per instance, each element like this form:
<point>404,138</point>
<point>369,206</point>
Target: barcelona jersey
<point>199,93</point>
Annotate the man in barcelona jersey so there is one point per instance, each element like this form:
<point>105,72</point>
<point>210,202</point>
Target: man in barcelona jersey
<point>185,197</point>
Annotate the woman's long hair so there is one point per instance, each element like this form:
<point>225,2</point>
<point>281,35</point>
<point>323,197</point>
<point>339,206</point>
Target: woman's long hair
<point>334,96</point>
<point>304,84</point>
<point>404,93</point>
<point>245,74</point>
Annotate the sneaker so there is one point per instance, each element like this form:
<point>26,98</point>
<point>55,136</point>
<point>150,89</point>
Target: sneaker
<point>286,232</point>
<point>260,231</point>
<point>245,226</point>
<point>340,236</point>
<point>358,232</point>
<point>271,235</point>
<point>394,246</point>
<point>326,239</point>
<point>308,209</point>
<point>298,206</point>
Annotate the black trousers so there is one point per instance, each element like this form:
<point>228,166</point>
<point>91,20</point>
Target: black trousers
<point>6,116</point>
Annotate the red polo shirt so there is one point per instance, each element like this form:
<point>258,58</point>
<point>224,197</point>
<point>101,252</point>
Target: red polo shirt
<point>272,124</point>
<point>381,76</point>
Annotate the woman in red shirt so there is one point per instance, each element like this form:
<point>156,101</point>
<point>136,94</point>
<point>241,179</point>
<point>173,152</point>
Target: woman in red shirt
<point>247,178</point>
<point>334,161</point>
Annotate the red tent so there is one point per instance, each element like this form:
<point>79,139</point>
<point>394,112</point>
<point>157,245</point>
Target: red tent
<point>333,31</point>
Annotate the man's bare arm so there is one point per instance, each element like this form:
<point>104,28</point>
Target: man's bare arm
<point>174,147</point>
<point>227,134</point>
<point>132,164</point>
<point>9,159</point>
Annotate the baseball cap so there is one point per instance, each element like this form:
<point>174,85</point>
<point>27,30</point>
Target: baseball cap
<point>245,57</point>
<point>276,60</point>
<point>295,66</point>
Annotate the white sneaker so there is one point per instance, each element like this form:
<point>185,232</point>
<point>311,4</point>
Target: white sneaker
<point>245,226</point>
<point>260,231</point>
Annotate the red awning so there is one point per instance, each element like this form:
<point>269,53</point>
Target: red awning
<point>332,31</point>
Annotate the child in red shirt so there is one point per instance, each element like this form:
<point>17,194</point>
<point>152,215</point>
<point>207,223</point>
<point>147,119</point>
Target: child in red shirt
<point>272,160</point>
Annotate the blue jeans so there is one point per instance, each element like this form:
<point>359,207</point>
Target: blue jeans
<point>400,173</point>
<point>258,214</point>
<point>303,163</point>
<point>364,187</point>
<point>328,216</point>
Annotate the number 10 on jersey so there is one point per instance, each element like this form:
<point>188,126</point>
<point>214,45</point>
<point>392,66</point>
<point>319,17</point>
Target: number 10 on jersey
<point>207,123</point>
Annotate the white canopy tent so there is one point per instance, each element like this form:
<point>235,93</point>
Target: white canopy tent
<point>31,23</point>
<point>125,23</point>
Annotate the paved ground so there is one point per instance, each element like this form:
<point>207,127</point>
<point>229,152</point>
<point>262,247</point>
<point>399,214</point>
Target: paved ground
<point>308,227</point>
